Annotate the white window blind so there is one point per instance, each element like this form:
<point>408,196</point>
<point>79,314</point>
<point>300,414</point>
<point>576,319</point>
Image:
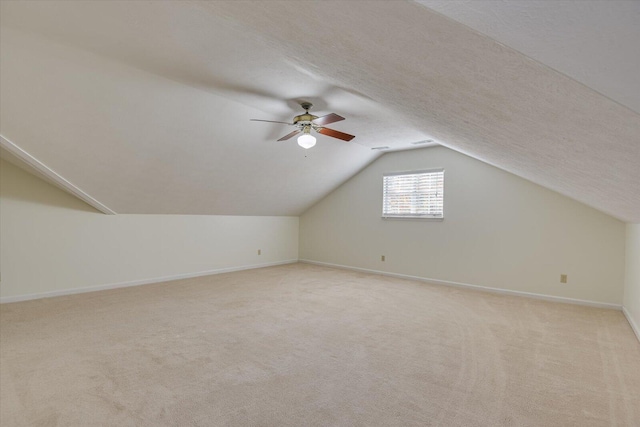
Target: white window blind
<point>417,194</point>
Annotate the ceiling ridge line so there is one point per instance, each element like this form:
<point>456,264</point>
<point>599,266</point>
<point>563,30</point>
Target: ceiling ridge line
<point>58,179</point>
<point>530,58</point>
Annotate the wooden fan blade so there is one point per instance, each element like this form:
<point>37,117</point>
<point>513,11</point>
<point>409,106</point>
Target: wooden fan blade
<point>270,121</point>
<point>329,118</point>
<point>336,134</point>
<point>289,135</point>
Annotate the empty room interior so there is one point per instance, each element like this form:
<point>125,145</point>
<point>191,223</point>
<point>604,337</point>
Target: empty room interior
<point>320,213</point>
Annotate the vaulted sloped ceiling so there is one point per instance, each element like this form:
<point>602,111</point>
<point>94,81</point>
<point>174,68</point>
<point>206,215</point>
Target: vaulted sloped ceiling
<point>146,105</point>
<point>595,42</point>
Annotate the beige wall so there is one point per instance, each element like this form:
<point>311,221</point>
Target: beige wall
<point>51,241</point>
<point>499,231</point>
<point>632,277</point>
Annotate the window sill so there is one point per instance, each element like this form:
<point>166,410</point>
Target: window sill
<point>421,218</point>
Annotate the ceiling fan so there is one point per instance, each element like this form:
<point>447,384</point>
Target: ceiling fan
<point>306,122</point>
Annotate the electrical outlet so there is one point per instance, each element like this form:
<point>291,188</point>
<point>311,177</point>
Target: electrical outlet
<point>382,258</point>
<point>259,251</point>
<point>563,278</point>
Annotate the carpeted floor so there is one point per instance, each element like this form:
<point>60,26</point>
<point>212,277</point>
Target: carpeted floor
<point>302,345</point>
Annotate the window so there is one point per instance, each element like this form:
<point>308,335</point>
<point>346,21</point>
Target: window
<point>417,194</point>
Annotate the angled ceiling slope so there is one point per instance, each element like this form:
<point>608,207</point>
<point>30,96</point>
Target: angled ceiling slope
<point>133,103</point>
<point>148,111</point>
<point>472,93</point>
<point>594,42</point>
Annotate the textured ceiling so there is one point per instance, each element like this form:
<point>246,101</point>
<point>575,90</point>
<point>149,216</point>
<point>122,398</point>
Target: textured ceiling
<point>594,42</point>
<point>145,105</point>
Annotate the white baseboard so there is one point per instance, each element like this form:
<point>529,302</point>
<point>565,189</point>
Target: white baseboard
<point>476,287</point>
<point>633,324</point>
<point>27,297</point>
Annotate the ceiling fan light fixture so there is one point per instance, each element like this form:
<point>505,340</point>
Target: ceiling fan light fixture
<point>306,141</point>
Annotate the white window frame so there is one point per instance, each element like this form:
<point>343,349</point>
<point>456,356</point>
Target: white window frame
<point>413,215</point>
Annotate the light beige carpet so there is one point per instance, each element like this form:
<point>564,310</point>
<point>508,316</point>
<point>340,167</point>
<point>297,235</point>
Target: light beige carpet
<point>302,345</point>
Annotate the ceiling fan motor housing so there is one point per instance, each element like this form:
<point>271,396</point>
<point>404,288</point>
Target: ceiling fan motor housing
<point>306,118</point>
